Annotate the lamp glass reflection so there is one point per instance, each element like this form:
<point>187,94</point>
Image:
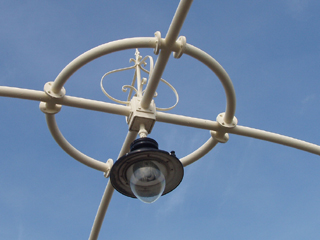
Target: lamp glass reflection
<point>147,182</point>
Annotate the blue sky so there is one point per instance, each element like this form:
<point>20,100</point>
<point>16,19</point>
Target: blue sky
<point>244,189</point>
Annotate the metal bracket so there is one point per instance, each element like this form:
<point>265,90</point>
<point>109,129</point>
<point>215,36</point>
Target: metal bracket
<point>223,123</point>
<point>157,34</point>
<point>220,136</point>
<point>50,107</point>
<point>109,166</point>
<point>49,92</point>
<point>140,115</point>
<point>182,41</point>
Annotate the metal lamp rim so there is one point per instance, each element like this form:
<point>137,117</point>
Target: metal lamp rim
<point>173,174</point>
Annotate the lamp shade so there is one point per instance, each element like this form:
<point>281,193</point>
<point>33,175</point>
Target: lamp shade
<point>146,172</point>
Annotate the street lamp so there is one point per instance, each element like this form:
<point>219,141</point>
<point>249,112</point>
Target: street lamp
<point>142,170</point>
<point>146,172</point>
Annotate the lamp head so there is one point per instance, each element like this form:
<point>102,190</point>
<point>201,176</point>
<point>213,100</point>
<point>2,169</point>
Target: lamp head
<point>146,172</point>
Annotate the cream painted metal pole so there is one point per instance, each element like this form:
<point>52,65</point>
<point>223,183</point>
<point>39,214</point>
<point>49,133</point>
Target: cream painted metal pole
<point>172,35</point>
<point>107,195</point>
<point>94,105</point>
<point>238,130</point>
<point>161,117</point>
<point>187,121</point>
<point>275,138</point>
<point>103,207</point>
<point>23,93</point>
<point>70,101</point>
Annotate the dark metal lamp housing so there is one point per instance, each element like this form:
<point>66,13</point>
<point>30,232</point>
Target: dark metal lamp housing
<point>146,172</point>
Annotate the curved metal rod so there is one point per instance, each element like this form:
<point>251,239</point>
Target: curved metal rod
<point>162,60</point>
<point>99,51</point>
<point>107,94</point>
<point>275,138</point>
<point>72,151</point>
<point>107,195</point>
<point>200,152</point>
<point>206,59</point>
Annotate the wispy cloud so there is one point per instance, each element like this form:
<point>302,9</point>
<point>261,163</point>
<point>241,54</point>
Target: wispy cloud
<point>297,8</point>
<point>21,232</point>
<point>173,201</point>
<point>308,99</point>
<point>306,102</point>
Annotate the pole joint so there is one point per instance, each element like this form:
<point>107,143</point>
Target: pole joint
<point>156,50</point>
<point>51,107</point>
<point>140,115</point>
<point>109,165</point>
<point>182,41</point>
<point>221,137</point>
<point>224,124</point>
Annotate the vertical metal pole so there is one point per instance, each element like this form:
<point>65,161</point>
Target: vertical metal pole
<point>164,55</point>
<point>107,195</point>
<point>138,74</point>
<point>106,198</point>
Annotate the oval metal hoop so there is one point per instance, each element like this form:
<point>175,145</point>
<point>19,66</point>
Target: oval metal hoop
<point>150,42</point>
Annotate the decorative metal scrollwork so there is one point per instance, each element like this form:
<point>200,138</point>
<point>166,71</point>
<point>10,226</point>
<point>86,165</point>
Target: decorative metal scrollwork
<point>139,64</point>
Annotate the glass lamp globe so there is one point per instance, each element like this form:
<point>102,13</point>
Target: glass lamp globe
<point>146,172</point>
<point>147,182</point>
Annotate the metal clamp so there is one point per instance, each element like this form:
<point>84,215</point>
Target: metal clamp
<point>157,34</point>
<point>223,123</point>
<point>220,136</point>
<point>51,107</point>
<point>109,164</point>
<point>182,41</point>
<point>49,92</point>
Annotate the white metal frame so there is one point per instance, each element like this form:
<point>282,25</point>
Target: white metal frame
<point>53,97</point>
